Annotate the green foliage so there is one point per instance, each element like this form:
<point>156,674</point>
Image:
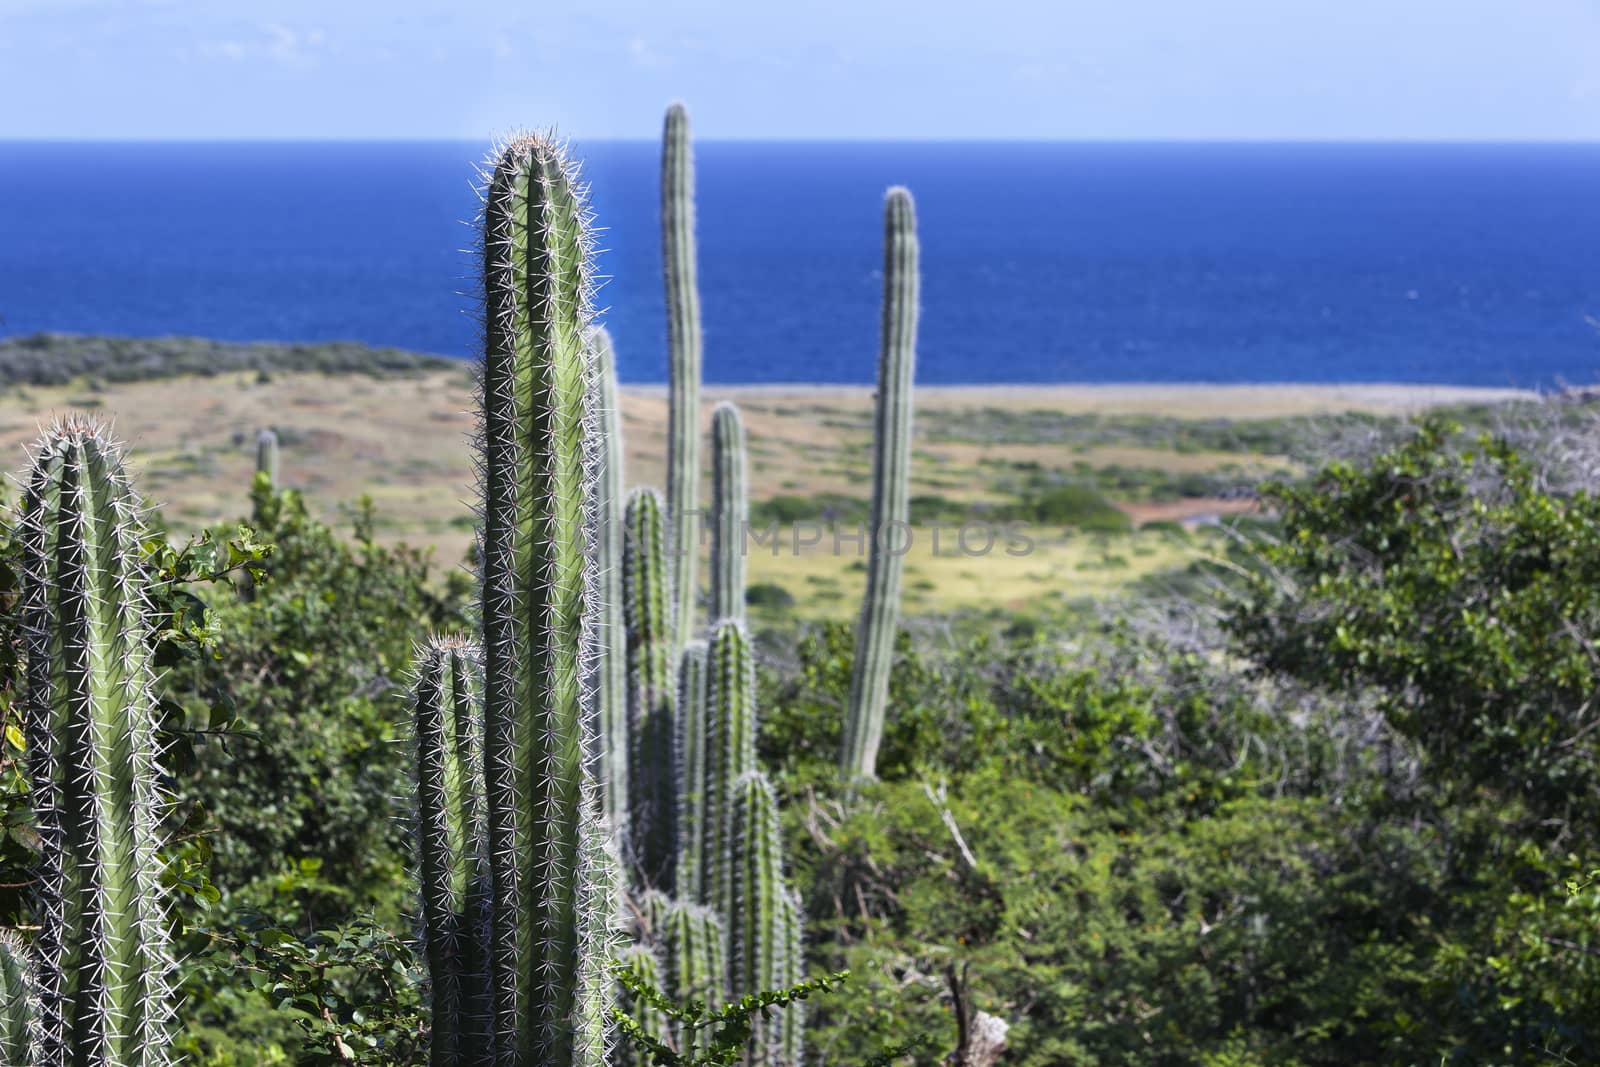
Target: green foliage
<point>710,1037</point>
<point>1071,505</point>
<point>1465,593</point>
<point>59,358</point>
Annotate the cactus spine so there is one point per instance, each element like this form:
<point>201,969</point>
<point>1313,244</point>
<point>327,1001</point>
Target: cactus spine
<point>538,463</point>
<point>690,756</point>
<point>611,726</point>
<point>18,1005</point>
<point>267,455</point>
<point>730,680</point>
<point>730,511</point>
<point>101,959</point>
<point>683,365</point>
<point>651,690</point>
<point>447,725</point>
<point>891,460</point>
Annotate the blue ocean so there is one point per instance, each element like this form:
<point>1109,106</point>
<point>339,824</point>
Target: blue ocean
<point>1469,264</point>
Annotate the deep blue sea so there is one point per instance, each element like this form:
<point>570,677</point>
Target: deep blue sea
<point>1470,264</point>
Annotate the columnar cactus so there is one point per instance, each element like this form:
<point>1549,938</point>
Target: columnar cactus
<point>755,919</point>
<point>694,942</point>
<point>611,698</point>
<point>789,1037</point>
<point>730,512</point>
<point>891,461</point>
<point>19,1007</point>
<point>102,965</point>
<point>693,722</point>
<point>267,455</point>
<point>538,461</point>
<point>683,365</point>
<point>447,727</point>
<point>652,780</point>
<point>730,686</point>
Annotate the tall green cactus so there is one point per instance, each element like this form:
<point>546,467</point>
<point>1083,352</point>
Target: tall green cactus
<point>730,682</point>
<point>611,697</point>
<point>891,514</point>
<point>730,513</point>
<point>683,365</point>
<point>19,1007</point>
<point>101,957</point>
<point>267,455</point>
<point>652,781</point>
<point>689,749</point>
<point>447,728</point>
<point>538,459</point>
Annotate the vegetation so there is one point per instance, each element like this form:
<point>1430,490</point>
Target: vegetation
<point>58,358</point>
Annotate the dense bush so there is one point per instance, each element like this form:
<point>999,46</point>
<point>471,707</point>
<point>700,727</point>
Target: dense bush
<point>59,358</point>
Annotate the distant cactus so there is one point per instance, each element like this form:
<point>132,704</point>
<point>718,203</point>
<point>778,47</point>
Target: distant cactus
<point>891,461</point>
<point>447,727</point>
<point>690,752</point>
<point>730,511</point>
<point>641,962</point>
<point>267,455</point>
<point>789,1037</point>
<point>102,964</point>
<point>19,1007</point>
<point>683,366</point>
<point>611,698</point>
<point>696,966</point>
<point>652,781</point>
<point>730,686</point>
<point>538,459</point>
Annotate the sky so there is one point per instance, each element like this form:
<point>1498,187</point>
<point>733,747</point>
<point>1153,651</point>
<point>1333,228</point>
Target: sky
<point>780,69</point>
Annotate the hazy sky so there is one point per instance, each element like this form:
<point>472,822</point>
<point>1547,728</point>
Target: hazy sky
<point>1437,69</point>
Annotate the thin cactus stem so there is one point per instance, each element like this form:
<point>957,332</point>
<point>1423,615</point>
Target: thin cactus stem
<point>683,365</point>
<point>611,727</point>
<point>538,466</point>
<point>102,962</point>
<point>447,727</point>
<point>652,837</point>
<point>19,1006</point>
<point>693,722</point>
<point>891,462</point>
<point>730,512</point>
<point>731,741</point>
<point>267,455</point>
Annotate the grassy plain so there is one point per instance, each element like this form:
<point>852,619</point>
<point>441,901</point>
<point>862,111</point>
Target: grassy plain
<point>1169,454</point>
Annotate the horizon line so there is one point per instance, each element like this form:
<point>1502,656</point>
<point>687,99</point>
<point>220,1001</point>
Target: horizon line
<point>890,140</point>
